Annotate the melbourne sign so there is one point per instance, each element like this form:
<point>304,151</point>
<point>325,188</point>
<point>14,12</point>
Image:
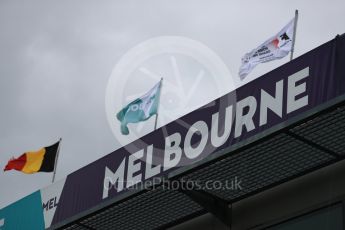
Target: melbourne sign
<point>288,93</point>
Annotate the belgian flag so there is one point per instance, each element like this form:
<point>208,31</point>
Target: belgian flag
<point>42,160</point>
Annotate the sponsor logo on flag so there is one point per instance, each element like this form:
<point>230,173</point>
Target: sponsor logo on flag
<point>140,109</point>
<point>274,48</point>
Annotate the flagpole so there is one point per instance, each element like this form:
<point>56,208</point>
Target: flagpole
<point>294,35</point>
<point>56,160</point>
<point>159,101</point>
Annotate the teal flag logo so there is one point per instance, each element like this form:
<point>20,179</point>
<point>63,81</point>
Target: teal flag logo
<point>140,109</point>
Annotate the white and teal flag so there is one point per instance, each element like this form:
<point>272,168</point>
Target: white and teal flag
<point>140,109</point>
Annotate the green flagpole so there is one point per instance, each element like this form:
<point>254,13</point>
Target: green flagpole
<point>159,101</point>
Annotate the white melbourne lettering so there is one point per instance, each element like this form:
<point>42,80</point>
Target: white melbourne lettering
<point>134,168</point>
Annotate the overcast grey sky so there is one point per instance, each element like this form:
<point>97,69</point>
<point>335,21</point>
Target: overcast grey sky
<point>56,58</point>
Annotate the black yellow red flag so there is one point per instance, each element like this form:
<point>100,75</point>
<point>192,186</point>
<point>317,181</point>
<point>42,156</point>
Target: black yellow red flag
<point>42,160</point>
